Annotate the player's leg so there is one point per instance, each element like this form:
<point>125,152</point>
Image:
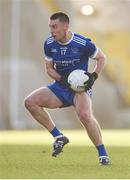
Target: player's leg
<point>83,106</point>
<point>36,103</point>
<point>84,111</point>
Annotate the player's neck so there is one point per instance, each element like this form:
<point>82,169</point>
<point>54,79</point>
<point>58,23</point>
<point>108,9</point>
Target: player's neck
<point>67,37</point>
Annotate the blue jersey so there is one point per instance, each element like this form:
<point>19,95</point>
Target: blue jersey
<point>71,55</point>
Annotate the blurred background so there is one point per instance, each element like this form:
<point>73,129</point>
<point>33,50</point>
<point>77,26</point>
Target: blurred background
<point>24,28</point>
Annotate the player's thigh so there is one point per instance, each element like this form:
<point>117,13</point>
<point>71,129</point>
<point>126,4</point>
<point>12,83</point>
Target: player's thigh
<point>44,97</point>
<point>82,103</point>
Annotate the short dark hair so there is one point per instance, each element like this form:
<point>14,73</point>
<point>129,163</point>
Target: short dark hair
<point>61,16</point>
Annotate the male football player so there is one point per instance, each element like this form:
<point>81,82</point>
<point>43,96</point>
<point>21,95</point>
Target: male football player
<point>66,51</point>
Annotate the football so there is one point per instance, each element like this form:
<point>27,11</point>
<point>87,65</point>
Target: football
<point>76,79</point>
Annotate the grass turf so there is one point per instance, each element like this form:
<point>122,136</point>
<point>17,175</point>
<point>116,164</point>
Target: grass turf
<point>34,161</point>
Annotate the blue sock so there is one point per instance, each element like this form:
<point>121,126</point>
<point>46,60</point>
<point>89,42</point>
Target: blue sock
<point>101,150</point>
<point>55,132</point>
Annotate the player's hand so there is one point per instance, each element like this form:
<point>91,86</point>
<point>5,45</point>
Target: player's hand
<point>64,80</point>
<point>92,77</point>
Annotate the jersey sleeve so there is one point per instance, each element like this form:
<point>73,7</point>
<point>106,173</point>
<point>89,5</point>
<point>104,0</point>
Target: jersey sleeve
<point>90,49</point>
<point>47,52</point>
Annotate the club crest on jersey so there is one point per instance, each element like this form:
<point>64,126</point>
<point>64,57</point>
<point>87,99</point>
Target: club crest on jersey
<point>74,50</point>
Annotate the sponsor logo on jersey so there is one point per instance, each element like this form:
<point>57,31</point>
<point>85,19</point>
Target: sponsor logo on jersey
<point>64,63</point>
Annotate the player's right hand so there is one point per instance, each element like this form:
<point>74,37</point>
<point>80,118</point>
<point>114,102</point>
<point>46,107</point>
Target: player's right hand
<point>64,80</point>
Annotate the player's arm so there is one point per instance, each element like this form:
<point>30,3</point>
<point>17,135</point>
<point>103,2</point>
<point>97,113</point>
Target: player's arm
<point>54,75</point>
<point>51,70</point>
<point>49,63</point>
<point>100,61</point>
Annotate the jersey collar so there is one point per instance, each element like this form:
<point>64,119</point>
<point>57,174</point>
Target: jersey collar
<point>67,41</point>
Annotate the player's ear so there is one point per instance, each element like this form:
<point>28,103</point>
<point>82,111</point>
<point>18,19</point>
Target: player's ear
<point>66,26</point>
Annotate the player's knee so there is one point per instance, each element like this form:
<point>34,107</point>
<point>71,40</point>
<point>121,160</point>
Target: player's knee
<point>29,103</point>
<point>85,116</point>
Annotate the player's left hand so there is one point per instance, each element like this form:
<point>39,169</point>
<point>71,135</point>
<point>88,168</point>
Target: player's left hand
<point>92,77</point>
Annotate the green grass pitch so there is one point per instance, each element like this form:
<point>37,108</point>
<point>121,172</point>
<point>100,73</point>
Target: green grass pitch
<point>27,155</point>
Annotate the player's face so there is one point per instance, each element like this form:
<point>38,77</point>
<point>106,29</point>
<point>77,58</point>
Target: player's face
<point>58,29</point>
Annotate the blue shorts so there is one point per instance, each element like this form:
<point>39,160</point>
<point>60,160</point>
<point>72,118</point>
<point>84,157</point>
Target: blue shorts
<point>65,95</point>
